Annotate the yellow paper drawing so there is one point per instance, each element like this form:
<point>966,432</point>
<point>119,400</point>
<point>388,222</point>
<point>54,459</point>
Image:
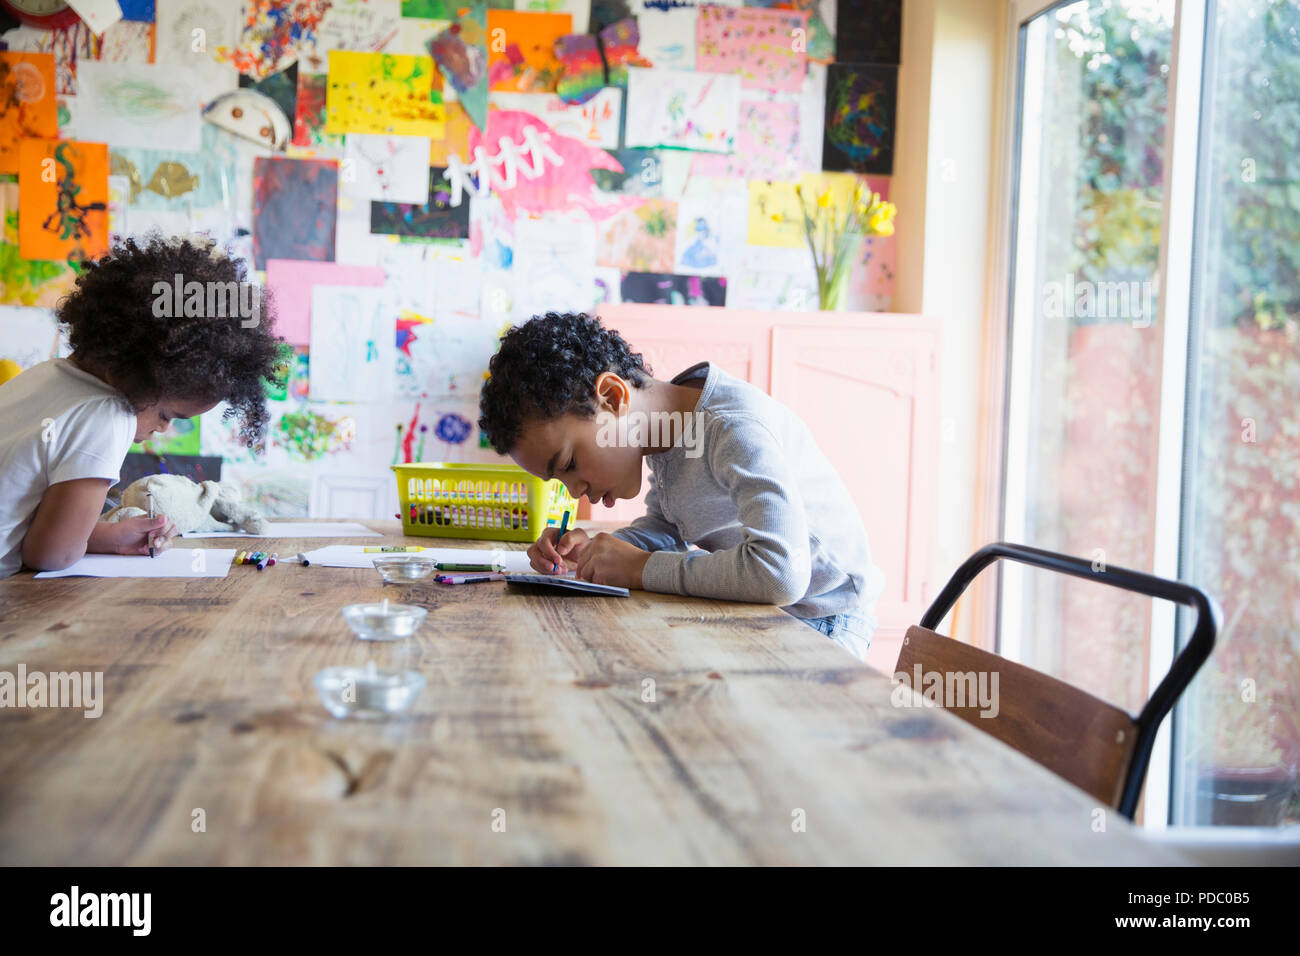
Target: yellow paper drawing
<point>774,216</point>
<point>398,94</point>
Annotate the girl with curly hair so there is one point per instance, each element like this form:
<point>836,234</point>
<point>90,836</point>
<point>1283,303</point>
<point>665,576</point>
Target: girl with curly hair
<point>155,336</point>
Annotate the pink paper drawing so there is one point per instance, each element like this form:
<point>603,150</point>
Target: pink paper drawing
<point>526,176</point>
<point>641,239</point>
<point>757,44</point>
<point>767,145</point>
<point>291,282</point>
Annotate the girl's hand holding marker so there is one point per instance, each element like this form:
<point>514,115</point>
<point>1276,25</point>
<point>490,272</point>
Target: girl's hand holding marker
<point>137,536</point>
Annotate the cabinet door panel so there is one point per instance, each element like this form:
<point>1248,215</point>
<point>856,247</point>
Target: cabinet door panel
<point>870,397</point>
<point>672,339</point>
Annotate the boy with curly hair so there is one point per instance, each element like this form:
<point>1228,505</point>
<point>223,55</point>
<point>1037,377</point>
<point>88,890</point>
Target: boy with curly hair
<point>134,367</point>
<point>742,506</point>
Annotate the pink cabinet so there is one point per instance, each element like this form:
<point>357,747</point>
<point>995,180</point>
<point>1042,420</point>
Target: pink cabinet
<point>867,384</point>
<point>870,394</point>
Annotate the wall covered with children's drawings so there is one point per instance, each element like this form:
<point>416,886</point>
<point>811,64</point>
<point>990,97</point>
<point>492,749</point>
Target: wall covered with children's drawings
<point>410,177</point>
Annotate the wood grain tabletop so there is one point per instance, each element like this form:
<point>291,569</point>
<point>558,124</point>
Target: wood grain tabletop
<point>553,730</point>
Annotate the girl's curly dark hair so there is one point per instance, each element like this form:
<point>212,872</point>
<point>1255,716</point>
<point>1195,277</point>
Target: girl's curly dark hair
<point>548,367</point>
<point>119,326</point>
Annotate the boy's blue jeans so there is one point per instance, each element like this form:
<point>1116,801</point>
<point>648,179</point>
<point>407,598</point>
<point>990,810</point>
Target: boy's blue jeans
<point>852,631</point>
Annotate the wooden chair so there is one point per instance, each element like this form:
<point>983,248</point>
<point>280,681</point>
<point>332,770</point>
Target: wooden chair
<point>1098,747</point>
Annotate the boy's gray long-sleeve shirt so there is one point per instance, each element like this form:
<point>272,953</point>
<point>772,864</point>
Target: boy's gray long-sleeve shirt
<point>772,519</point>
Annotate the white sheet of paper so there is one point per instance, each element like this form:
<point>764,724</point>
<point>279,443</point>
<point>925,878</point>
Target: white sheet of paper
<point>28,336</point>
<point>353,344</point>
<point>99,15</point>
<point>446,357</point>
<point>682,109</point>
<point>386,168</point>
<point>812,118</point>
<point>191,31</point>
<point>595,122</point>
<point>297,529</point>
<point>354,556</point>
<point>147,104</point>
<point>667,36</point>
<point>580,10</point>
<point>554,267</point>
<point>172,563</point>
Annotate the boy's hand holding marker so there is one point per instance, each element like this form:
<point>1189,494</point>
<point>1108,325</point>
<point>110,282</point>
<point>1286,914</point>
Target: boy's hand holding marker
<point>549,555</point>
<point>559,539</point>
<point>603,559</point>
<point>610,560</point>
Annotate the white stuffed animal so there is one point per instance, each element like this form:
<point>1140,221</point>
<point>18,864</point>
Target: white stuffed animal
<point>211,506</point>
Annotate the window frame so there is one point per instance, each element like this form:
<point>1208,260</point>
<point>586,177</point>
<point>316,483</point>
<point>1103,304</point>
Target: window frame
<point>1191,43</point>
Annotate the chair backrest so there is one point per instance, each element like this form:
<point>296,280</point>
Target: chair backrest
<point>1075,735</point>
<point>1042,709</point>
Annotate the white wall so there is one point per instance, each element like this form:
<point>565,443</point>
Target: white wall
<point>947,156</point>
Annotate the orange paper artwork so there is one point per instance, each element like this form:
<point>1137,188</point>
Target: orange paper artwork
<point>521,50</point>
<point>27,106</point>
<point>63,198</point>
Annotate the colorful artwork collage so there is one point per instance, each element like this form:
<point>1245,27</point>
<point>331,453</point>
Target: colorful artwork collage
<point>411,177</point>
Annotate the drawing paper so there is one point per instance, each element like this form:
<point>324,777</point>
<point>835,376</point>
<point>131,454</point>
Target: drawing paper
<point>354,556</point>
<point>682,109</point>
<point>353,344</point>
<point>297,529</point>
<point>173,562</point>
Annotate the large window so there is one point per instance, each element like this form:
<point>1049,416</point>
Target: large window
<point>1151,426</point>
<point>1241,535</point>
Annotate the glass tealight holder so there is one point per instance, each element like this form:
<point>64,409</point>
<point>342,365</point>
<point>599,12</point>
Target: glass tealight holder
<point>368,693</point>
<point>404,569</point>
<point>384,622</point>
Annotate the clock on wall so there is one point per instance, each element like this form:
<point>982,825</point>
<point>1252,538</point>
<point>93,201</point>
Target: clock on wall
<point>42,14</point>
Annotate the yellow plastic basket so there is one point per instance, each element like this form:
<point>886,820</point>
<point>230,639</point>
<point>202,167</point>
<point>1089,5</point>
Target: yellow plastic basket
<point>490,502</point>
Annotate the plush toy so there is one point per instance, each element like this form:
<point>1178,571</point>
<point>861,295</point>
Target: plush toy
<point>211,506</point>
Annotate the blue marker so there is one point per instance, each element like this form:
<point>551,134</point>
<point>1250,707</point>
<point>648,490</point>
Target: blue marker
<point>564,526</point>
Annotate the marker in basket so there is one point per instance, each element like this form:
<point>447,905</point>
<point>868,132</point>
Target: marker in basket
<point>394,549</point>
<point>564,526</point>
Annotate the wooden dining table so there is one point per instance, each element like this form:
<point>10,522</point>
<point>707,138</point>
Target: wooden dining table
<point>553,729</point>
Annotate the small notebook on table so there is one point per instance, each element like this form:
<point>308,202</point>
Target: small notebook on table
<point>567,583</point>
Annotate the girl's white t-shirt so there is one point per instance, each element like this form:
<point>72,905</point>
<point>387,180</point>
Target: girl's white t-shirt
<point>57,423</point>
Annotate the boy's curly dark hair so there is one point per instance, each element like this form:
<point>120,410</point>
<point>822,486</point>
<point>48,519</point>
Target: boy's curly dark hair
<point>547,367</point>
<point>113,327</point>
